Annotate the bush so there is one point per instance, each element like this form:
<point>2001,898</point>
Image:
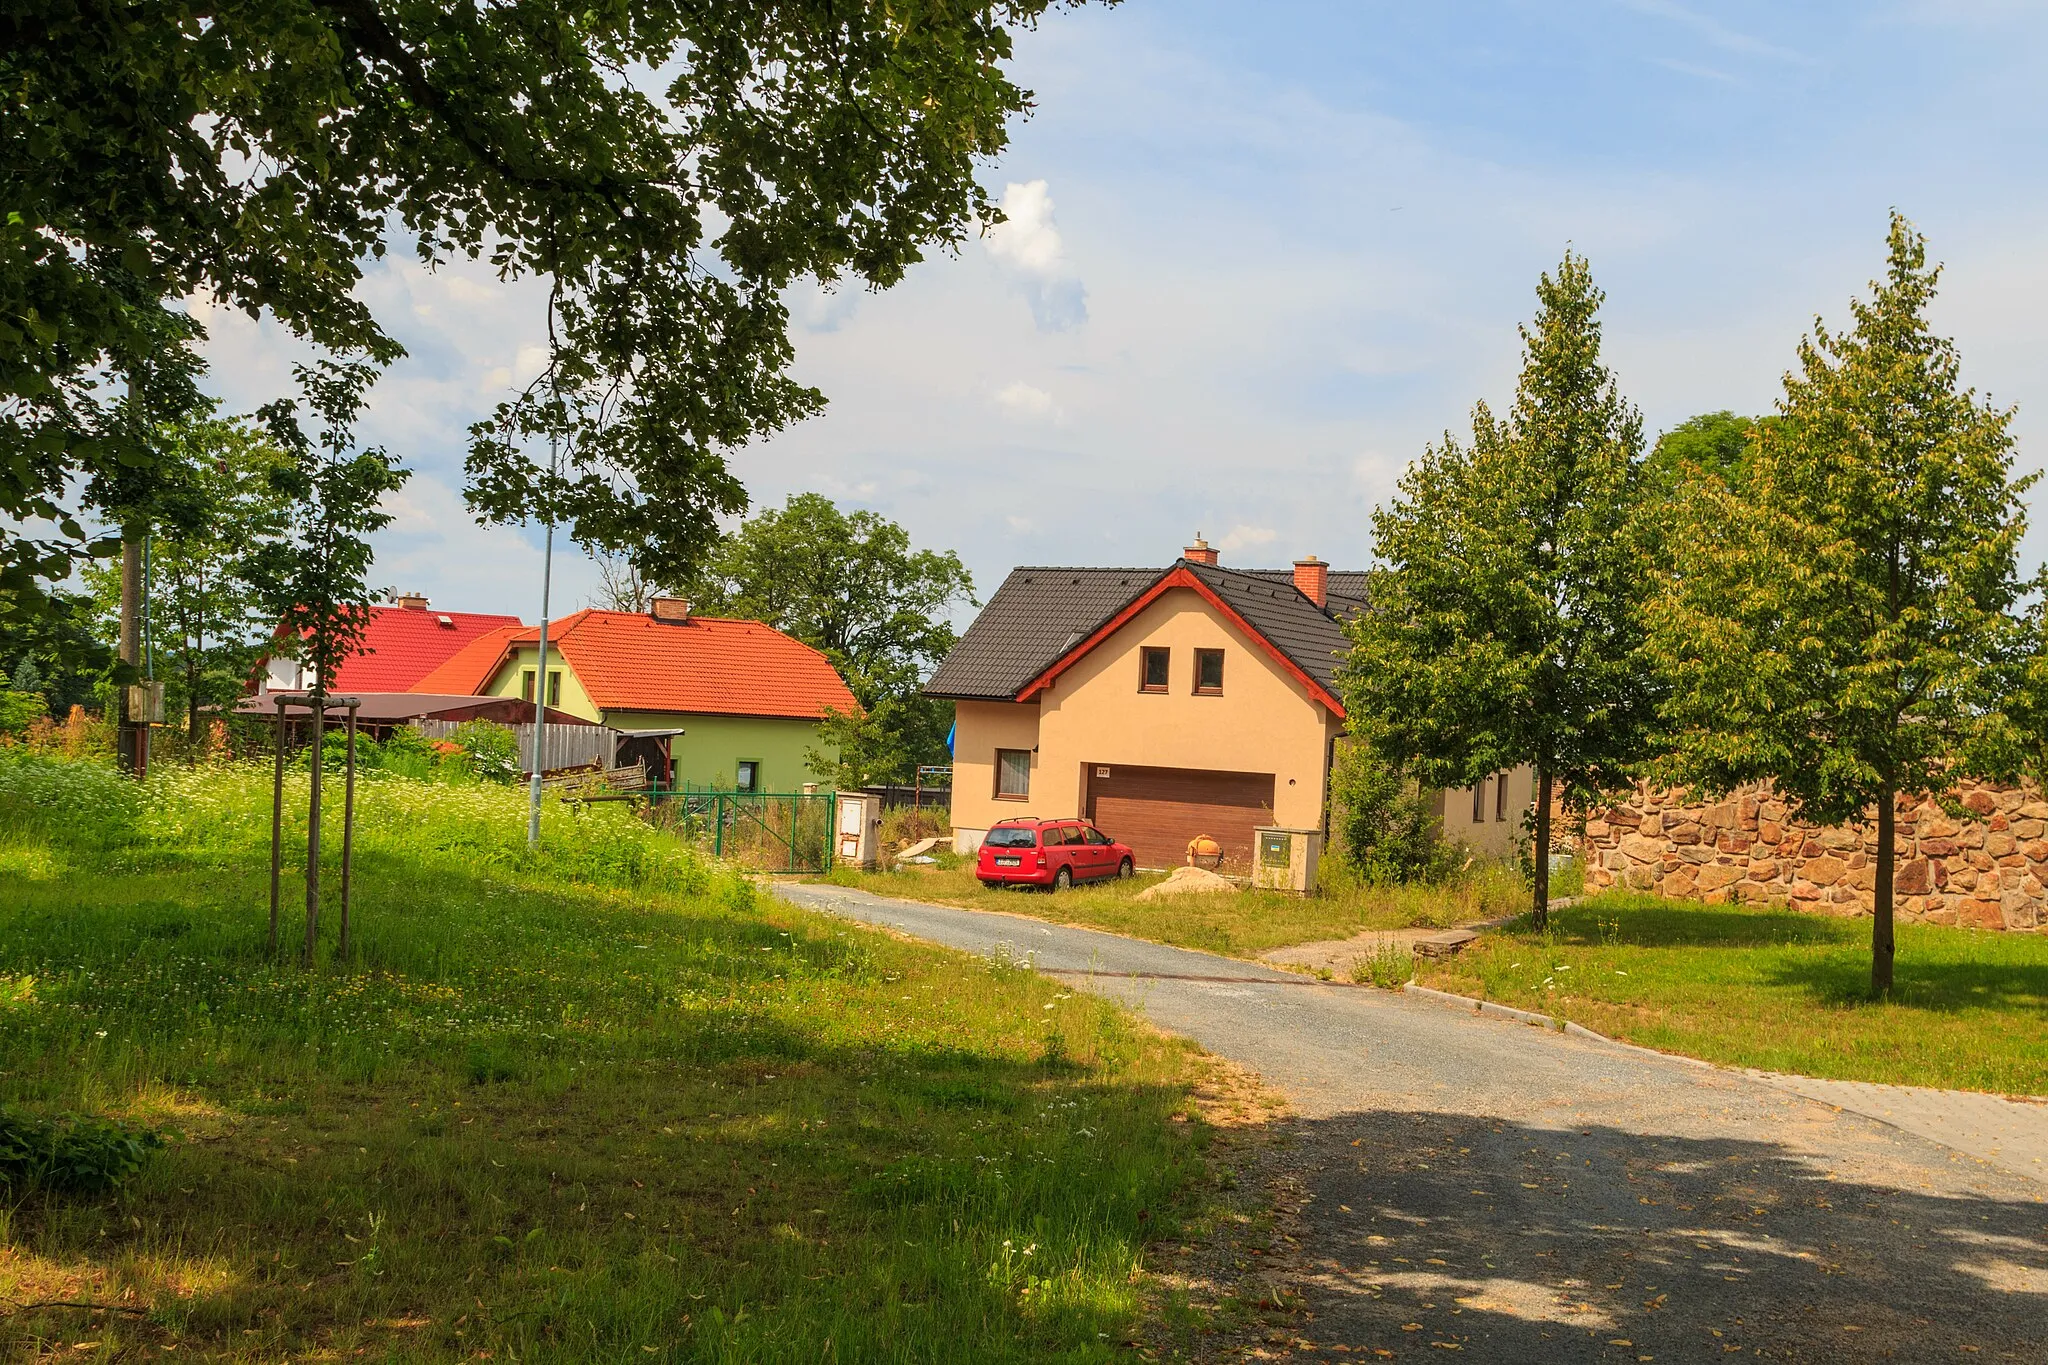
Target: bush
<point>492,749</point>
<point>1388,834</point>
<point>19,710</point>
<point>72,1155</point>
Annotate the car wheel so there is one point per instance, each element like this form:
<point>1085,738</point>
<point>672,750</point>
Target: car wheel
<point>1063,879</point>
<point>1125,871</point>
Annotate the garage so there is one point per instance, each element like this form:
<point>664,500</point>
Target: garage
<point>1157,810</point>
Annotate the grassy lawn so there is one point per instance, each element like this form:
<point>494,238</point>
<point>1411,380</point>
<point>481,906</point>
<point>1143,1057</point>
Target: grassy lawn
<point>1779,991</point>
<point>1243,925</point>
<point>602,1103</point>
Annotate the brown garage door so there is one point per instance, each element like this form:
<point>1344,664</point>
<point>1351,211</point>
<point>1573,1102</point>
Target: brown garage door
<point>1157,810</point>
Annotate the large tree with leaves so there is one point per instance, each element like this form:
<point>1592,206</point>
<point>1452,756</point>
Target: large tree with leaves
<point>850,584</point>
<point>670,169</point>
<point>1846,625</point>
<point>1503,627</point>
<point>208,622</point>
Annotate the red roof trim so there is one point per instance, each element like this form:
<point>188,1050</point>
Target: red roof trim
<point>1180,578</point>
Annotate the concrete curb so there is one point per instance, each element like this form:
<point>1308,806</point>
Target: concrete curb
<point>1544,1021</point>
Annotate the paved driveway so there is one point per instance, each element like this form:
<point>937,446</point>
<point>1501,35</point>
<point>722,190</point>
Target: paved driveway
<point>1512,1194</point>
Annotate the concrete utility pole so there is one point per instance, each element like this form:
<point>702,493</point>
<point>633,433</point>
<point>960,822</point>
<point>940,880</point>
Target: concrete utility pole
<point>133,736</point>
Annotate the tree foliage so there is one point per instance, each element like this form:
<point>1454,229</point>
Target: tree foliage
<point>850,584</point>
<point>1846,624</point>
<point>1503,628</point>
<point>313,580</point>
<point>1716,443</point>
<point>671,170</point>
<point>208,626</point>
<point>1388,830</point>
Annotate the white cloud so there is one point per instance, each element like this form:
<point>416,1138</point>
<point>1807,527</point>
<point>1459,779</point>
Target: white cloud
<point>1245,537</point>
<point>1027,243</point>
<point>1022,400</point>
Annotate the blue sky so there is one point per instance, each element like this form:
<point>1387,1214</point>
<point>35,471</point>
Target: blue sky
<point>1260,254</point>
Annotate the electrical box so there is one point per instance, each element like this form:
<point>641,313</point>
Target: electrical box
<point>1285,859</point>
<point>146,703</point>
<point>858,826</point>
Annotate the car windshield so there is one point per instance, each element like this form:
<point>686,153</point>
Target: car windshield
<point>1012,837</point>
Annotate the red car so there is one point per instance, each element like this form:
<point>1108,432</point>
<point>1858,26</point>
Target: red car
<point>1051,853</point>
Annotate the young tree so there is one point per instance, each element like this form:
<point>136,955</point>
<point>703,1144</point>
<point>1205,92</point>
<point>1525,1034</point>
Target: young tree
<point>208,627</point>
<point>1845,626</point>
<point>850,584</point>
<point>1503,627</point>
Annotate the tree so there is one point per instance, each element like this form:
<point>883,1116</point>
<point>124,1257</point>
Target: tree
<point>208,625</point>
<point>1716,443</point>
<point>850,584</point>
<point>1846,626</point>
<point>313,580</point>
<point>671,169</point>
<point>65,656</point>
<point>1503,628</point>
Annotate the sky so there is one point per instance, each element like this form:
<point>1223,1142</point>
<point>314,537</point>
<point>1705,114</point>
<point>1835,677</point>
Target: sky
<point>1258,256</point>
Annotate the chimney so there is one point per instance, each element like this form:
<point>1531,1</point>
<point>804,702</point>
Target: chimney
<point>669,609</point>
<point>1199,552</point>
<point>1312,580</point>
<point>410,601</point>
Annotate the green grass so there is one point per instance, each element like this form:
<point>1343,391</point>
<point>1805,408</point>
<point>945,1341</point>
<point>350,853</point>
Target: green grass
<point>1779,990</point>
<point>1242,925</point>
<point>599,1103</point>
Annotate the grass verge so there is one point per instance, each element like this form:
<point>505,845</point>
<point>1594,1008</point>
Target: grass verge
<point>598,1103</point>
<point>1242,925</point>
<point>1778,990</point>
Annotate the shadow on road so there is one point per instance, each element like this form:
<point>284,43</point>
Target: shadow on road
<point>1430,1232</point>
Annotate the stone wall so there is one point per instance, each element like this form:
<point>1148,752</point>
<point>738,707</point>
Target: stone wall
<point>1987,870</point>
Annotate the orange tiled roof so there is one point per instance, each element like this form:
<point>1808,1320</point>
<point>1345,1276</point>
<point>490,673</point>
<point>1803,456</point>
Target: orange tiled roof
<point>707,665</point>
<point>468,671</point>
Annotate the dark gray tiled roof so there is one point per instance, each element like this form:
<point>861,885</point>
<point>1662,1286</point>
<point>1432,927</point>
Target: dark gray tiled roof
<point>1040,613</point>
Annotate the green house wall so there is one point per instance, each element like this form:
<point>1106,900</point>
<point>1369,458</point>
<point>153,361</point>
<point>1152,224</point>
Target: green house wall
<point>711,751</point>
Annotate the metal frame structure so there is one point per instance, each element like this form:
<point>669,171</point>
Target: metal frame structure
<point>316,706</point>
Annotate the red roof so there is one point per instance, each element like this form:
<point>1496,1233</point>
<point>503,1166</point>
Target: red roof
<point>707,666</point>
<point>467,671</point>
<point>402,645</point>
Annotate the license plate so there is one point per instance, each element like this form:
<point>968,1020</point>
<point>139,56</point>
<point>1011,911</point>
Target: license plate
<point>1009,862</point>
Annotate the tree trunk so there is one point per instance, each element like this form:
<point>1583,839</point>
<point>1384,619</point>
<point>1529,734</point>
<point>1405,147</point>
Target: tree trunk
<point>192,722</point>
<point>1539,853</point>
<point>1882,945</point>
<point>319,718</point>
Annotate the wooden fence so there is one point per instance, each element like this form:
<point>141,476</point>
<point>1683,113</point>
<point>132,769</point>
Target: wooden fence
<point>561,746</point>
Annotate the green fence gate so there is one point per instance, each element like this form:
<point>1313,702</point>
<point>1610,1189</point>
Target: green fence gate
<point>764,831</point>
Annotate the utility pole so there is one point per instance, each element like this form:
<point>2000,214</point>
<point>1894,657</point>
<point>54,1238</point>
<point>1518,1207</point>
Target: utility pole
<point>540,693</point>
<point>133,736</point>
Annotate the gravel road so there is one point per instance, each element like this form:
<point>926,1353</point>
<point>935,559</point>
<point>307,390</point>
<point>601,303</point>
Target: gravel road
<point>1512,1194</point>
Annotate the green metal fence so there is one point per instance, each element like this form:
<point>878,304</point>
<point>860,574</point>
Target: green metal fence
<point>765,831</point>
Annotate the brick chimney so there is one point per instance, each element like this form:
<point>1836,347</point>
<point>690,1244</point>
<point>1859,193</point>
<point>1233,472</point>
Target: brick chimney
<point>1199,552</point>
<point>410,601</point>
<point>1312,580</point>
<point>669,609</point>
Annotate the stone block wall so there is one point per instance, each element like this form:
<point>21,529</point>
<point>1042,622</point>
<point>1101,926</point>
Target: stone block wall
<point>1987,870</point>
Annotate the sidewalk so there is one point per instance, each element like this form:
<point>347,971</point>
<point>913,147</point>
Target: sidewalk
<point>2008,1133</point>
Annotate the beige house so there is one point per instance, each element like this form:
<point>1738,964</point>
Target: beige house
<point>1162,704</point>
<point>1165,704</point>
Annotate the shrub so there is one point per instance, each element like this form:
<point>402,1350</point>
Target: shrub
<point>1388,834</point>
<point>72,1155</point>
<point>492,749</point>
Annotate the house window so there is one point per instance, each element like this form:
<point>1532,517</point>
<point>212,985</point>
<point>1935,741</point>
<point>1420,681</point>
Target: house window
<point>1013,774</point>
<point>526,684</point>
<point>1209,672</point>
<point>554,687</point>
<point>1500,798</point>
<point>1152,669</point>
<point>746,775</point>
<point>1479,802</point>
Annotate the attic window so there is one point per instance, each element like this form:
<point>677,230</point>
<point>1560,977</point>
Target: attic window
<point>447,622</point>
